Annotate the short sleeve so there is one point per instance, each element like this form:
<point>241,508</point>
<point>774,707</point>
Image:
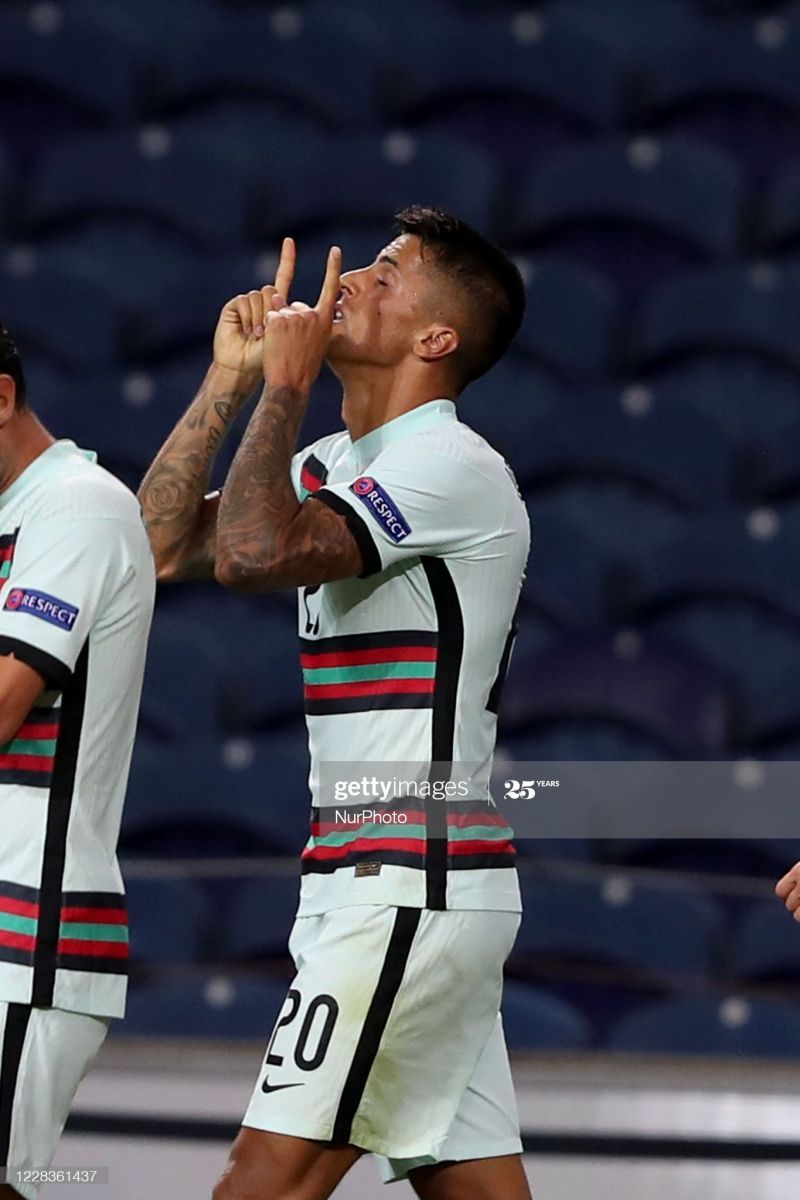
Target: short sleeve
<point>62,573</point>
<point>415,502</point>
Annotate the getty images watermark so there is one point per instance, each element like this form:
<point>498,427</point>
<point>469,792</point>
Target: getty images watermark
<point>720,799</point>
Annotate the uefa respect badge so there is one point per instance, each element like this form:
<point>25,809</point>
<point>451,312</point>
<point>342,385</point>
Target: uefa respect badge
<point>381,506</point>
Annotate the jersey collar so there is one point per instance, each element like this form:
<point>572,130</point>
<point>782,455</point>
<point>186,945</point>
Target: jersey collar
<point>60,450</point>
<point>368,447</point>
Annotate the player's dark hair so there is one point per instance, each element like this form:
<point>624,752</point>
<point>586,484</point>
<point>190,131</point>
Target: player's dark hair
<point>11,364</point>
<point>487,277</point>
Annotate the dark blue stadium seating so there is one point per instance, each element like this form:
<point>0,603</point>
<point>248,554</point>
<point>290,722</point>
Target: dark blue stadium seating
<point>766,946</point>
<point>170,921</point>
<point>262,917</point>
<point>641,161</point>
<point>571,319</point>
<point>725,308</point>
<point>219,1006</point>
<point>668,696</point>
<point>633,208</point>
<point>711,1027</point>
<point>616,922</point>
<point>535,1020</point>
<point>151,174</point>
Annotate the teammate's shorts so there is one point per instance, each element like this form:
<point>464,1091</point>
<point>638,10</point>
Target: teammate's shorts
<point>390,1037</point>
<point>45,1054</point>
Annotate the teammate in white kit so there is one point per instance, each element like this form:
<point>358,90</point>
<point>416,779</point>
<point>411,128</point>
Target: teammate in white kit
<point>408,540</point>
<point>77,582</point>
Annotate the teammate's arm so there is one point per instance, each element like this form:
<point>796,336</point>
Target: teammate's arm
<point>20,687</point>
<point>181,519</point>
<point>266,539</point>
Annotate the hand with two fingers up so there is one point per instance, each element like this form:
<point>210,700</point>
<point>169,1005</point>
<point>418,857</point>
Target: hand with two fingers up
<point>239,336</point>
<point>297,336</point>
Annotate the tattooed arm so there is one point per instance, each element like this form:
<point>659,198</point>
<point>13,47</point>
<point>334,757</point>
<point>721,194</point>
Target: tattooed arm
<point>181,520</point>
<point>266,539</point>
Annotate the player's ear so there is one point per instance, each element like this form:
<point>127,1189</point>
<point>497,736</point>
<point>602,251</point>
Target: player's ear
<point>8,399</point>
<point>436,342</point>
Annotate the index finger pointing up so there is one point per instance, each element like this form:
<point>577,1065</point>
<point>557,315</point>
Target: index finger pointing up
<point>284,276</point>
<point>330,284</point>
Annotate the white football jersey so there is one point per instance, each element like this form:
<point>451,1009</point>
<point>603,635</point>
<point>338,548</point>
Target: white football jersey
<point>77,583</point>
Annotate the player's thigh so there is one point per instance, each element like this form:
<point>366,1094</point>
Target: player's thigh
<point>282,1167</point>
<point>478,1179</point>
<point>44,1055</point>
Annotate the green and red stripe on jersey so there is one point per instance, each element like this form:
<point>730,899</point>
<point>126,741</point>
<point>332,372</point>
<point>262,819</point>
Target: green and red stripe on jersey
<point>19,923</point>
<point>93,933</point>
<point>313,474</point>
<point>28,758</point>
<point>478,836</point>
<point>365,671</point>
<point>8,543</point>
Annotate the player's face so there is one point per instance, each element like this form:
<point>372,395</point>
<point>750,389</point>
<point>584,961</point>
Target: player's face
<point>382,307</point>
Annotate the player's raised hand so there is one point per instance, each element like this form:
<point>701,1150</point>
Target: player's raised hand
<point>297,336</point>
<point>788,890</point>
<point>242,322</point>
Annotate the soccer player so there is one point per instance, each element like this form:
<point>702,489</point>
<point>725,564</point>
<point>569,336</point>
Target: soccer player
<point>407,538</point>
<point>77,581</point>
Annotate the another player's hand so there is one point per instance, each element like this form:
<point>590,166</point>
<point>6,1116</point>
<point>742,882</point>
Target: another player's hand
<point>297,336</point>
<point>238,339</point>
<point>788,890</point>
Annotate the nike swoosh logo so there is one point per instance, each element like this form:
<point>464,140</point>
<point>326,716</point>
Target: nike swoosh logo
<point>277,1087</point>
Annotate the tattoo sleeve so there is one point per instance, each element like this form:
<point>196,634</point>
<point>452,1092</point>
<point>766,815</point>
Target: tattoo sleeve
<point>181,521</point>
<point>267,539</point>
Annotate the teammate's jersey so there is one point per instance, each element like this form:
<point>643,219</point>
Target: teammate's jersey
<point>77,583</point>
<point>405,663</point>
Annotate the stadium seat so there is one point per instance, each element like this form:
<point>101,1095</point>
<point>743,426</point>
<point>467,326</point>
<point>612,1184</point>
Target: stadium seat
<point>621,520</point>
<point>149,173</point>
<point>664,933</point>
<point>518,84</point>
<point>262,684</point>
<point>262,918</point>
<point>170,921</point>
<point>745,642</point>
<point>567,580</point>
<point>507,401</point>
<point>635,682</point>
<point>732,83</point>
<point>674,452</point>
<point>240,797</point>
<point>84,336</point>
<point>181,694</point>
<point>766,946</point>
<point>743,393</point>
<point>65,57</point>
<point>749,555</point>
<point>570,322</point>
<point>582,741</point>
<point>724,308</point>
<point>132,262</point>
<point>685,194</point>
<point>285,54</point>
<point>712,1027</point>
<point>535,1020</point>
<point>219,1006</point>
<point>780,225</point>
<point>776,472</point>
<point>363,179</point>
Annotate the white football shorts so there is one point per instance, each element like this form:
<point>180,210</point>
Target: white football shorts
<point>390,1037</point>
<point>44,1054</point>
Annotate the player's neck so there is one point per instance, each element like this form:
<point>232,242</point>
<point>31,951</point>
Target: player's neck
<point>22,440</point>
<point>371,401</point>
